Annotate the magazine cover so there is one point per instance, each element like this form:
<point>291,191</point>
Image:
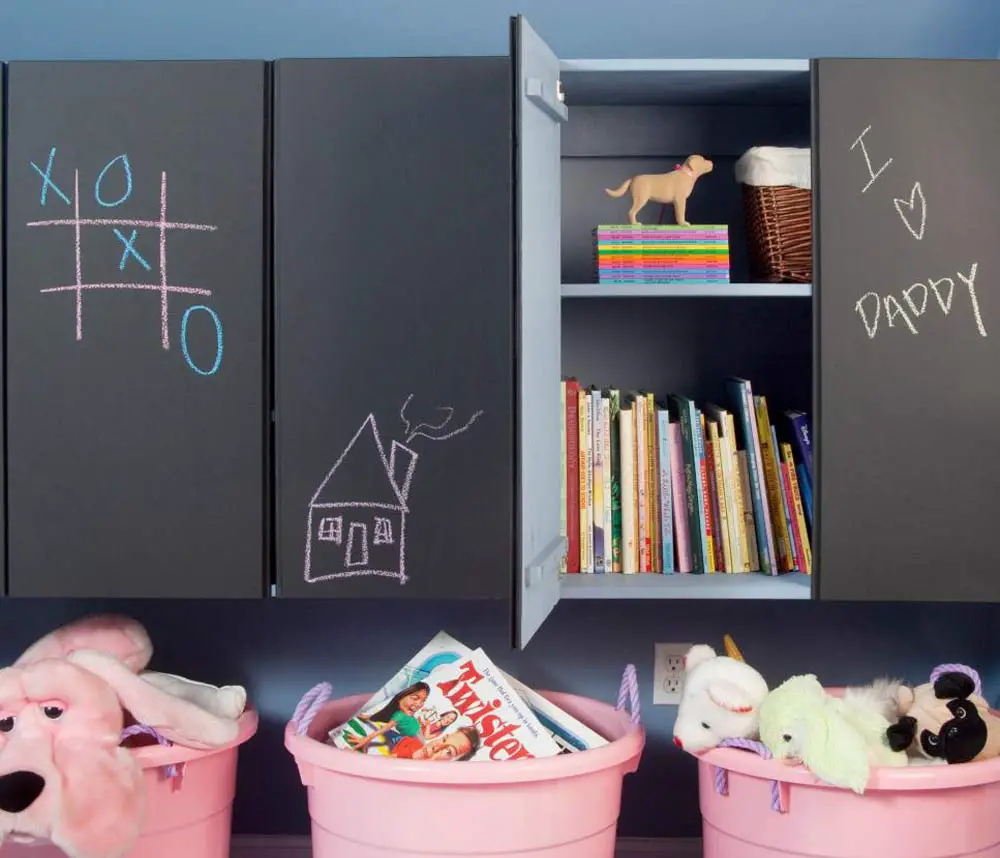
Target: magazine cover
<point>463,709</point>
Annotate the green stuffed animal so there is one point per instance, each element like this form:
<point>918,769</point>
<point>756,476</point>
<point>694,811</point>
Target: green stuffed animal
<point>838,739</point>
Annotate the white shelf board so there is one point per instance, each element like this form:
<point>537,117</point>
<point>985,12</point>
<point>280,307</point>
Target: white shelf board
<point>686,290</point>
<point>685,81</point>
<point>752,585</point>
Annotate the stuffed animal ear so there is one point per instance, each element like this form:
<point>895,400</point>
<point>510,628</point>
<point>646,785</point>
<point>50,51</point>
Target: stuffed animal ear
<point>698,654</point>
<point>729,696</point>
<point>102,796</point>
<point>175,719</point>
<point>117,636</point>
<point>834,751</point>
<point>902,733</point>
<point>953,684</point>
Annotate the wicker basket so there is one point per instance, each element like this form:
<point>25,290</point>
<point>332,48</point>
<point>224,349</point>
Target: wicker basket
<point>779,227</point>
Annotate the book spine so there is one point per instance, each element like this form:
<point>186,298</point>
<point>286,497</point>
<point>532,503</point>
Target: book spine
<point>786,488</point>
<point>643,478</point>
<point>677,480</point>
<point>562,472</point>
<point>704,493</point>
<point>715,500</point>
<point>772,484</point>
<point>800,516</point>
<point>636,535</point>
<point>652,486</point>
<point>723,500</point>
<point>585,476</point>
<point>696,529</point>
<point>614,407</point>
<point>753,547</point>
<point>665,492</point>
<point>606,471</point>
<point>573,476</point>
<point>740,501</point>
<point>786,501</point>
<point>758,492</point>
<point>802,432</point>
<point>805,484</point>
<point>597,443</point>
<point>626,427</point>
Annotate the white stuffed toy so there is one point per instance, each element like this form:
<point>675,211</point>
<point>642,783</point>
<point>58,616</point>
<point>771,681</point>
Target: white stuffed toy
<point>720,699</point>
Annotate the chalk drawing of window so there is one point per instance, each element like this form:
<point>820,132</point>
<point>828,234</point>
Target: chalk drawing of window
<point>383,531</point>
<point>331,529</point>
<point>357,544</point>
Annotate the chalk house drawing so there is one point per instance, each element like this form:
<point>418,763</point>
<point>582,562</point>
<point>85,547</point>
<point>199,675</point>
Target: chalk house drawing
<point>367,537</point>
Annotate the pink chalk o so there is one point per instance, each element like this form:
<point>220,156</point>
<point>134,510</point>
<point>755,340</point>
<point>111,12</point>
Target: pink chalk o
<point>754,807</point>
<point>189,801</point>
<point>366,806</point>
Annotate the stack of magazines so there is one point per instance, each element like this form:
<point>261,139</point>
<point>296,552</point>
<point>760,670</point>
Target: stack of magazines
<point>451,703</point>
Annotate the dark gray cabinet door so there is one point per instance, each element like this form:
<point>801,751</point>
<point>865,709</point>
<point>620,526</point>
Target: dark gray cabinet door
<point>908,212</point>
<point>395,328</point>
<point>135,309</point>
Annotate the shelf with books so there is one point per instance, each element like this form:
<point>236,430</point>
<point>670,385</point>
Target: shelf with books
<point>687,290</point>
<point>681,491</point>
<point>751,585</point>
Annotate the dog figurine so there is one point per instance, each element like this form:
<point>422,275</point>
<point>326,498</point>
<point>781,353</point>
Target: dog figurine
<point>666,188</point>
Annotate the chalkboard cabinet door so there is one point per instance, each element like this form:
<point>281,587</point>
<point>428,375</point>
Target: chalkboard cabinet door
<point>539,114</point>
<point>394,373</point>
<point>908,211</point>
<point>135,317</point>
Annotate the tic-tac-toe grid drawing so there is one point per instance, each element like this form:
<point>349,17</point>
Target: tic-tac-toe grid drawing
<point>126,230</point>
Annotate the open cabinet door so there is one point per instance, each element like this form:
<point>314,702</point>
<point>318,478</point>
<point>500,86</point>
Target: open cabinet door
<point>538,114</point>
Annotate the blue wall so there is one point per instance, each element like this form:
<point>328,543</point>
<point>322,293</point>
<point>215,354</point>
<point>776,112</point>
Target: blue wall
<point>33,29</point>
<point>280,649</point>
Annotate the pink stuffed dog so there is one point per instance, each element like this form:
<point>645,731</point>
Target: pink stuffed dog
<point>64,776</point>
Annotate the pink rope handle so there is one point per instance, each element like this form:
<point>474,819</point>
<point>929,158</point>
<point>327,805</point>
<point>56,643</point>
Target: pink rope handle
<point>629,692</point>
<point>170,770</point>
<point>779,790</point>
<point>958,668</point>
<point>312,701</point>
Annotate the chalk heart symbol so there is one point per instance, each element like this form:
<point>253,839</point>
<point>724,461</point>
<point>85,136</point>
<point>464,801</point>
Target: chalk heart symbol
<point>908,209</point>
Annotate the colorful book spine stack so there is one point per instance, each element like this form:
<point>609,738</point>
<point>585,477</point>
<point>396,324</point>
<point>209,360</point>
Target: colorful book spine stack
<point>650,253</point>
<point>668,484</point>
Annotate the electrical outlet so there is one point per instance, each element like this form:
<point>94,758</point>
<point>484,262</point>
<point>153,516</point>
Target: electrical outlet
<point>668,672</point>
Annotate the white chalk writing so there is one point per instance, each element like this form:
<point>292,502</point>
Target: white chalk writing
<point>874,174</point>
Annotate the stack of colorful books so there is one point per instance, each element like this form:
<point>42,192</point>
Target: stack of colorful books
<point>652,253</point>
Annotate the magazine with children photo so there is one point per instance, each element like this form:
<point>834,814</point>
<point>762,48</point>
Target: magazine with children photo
<point>452,703</point>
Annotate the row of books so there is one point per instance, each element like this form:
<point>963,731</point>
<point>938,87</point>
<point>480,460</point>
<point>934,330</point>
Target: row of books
<point>450,703</point>
<point>668,486</point>
<point>645,253</point>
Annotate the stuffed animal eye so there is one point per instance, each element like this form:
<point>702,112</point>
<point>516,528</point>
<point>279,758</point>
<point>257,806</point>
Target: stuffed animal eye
<point>52,712</point>
<point>7,724</point>
<point>786,738</point>
<point>960,712</point>
<point>705,726</point>
<point>931,738</point>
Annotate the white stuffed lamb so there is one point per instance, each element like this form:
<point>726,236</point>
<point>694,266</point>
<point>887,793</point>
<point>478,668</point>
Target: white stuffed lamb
<point>720,699</point>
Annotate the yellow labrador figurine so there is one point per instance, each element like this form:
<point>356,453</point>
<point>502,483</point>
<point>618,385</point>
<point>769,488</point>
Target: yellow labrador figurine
<point>673,188</point>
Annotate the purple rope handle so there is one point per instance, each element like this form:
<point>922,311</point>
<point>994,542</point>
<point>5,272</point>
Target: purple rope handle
<point>628,692</point>
<point>171,770</point>
<point>312,701</point>
<point>958,668</point>
<point>778,802</point>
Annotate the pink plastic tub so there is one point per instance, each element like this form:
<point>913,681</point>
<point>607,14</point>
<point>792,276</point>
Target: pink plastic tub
<point>771,809</point>
<point>373,807</point>
<point>188,816</point>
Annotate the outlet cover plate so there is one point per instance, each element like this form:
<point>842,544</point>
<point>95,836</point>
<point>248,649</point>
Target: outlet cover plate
<point>668,672</point>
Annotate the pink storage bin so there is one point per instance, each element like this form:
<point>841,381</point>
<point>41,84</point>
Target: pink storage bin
<point>374,807</point>
<point>187,816</point>
<point>753,807</point>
